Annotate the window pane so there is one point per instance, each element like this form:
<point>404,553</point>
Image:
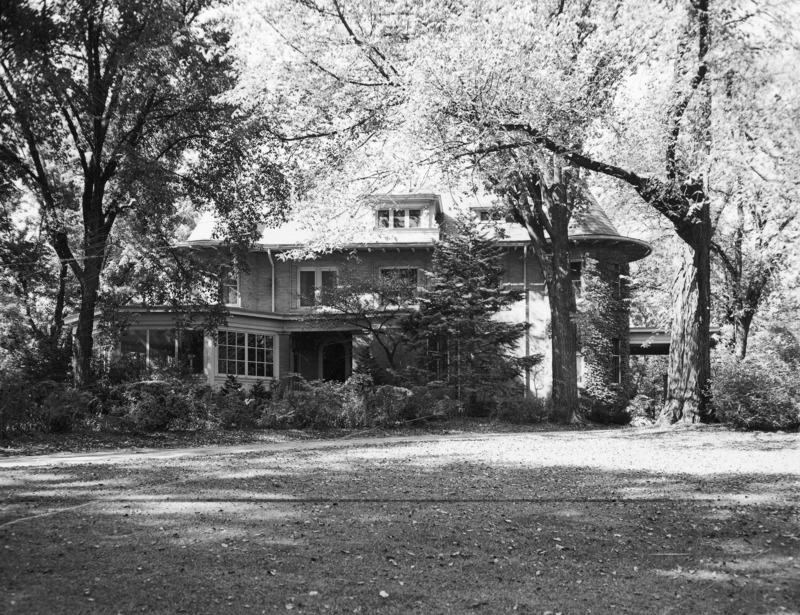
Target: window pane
<point>229,287</point>
<point>414,217</point>
<point>383,218</point>
<point>575,269</point>
<point>162,347</point>
<point>399,218</point>
<point>134,342</point>
<point>190,350</point>
<point>328,279</point>
<point>307,283</point>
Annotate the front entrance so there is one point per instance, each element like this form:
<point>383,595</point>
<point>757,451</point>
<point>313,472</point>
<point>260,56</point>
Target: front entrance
<point>334,362</point>
<point>322,356</point>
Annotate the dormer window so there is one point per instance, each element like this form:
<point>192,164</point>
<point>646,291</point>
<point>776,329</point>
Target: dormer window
<point>399,218</point>
<point>492,215</point>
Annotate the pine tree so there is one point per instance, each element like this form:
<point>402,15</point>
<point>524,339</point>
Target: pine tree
<point>466,348</point>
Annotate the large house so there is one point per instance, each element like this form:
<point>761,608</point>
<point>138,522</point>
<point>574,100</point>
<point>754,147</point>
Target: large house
<point>268,334</point>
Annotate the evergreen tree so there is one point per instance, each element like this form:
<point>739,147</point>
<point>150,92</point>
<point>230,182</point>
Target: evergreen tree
<point>466,348</point>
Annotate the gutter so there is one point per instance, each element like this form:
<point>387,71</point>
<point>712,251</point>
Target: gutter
<point>272,264</point>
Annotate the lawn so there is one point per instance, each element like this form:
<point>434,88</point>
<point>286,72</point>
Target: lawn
<point>688,520</point>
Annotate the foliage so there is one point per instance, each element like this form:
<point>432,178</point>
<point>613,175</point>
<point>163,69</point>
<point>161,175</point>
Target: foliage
<point>528,410</point>
<point>44,405</point>
<point>602,410</point>
<point>375,304</point>
<point>323,405</point>
<point>759,393</point>
<point>367,365</point>
<point>103,106</point>
<point>462,344</point>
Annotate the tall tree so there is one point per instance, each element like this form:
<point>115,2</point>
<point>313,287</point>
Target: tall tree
<point>465,346</point>
<point>99,102</point>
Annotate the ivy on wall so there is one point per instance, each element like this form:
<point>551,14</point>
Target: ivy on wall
<point>603,316</point>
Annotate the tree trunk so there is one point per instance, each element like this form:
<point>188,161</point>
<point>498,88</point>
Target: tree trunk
<point>741,331</point>
<point>84,340</point>
<point>58,312</point>
<point>562,309</point>
<point>564,344</point>
<point>689,370</point>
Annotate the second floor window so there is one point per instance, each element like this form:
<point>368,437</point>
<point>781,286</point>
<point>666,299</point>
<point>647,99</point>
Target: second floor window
<point>575,271</point>
<point>399,218</point>
<point>403,283</point>
<point>616,370</point>
<point>310,281</point>
<point>616,281</point>
<point>229,287</point>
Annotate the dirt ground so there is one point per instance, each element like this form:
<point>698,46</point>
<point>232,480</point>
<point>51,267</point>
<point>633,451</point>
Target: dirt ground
<point>688,520</point>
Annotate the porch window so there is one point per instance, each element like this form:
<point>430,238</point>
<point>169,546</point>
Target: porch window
<point>311,280</point>
<point>163,347</point>
<point>616,372</point>
<point>244,354</point>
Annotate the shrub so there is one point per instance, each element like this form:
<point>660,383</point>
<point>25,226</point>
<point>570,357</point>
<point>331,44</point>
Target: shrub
<point>155,405</point>
<point>758,393</point>
<point>643,410</point>
<point>45,405</point>
<point>232,411</point>
<point>385,405</point>
<point>612,411</point>
<point>63,408</point>
<point>527,410</point>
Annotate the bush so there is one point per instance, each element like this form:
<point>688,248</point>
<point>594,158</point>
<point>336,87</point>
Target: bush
<point>232,410</point>
<point>323,405</point>
<point>757,394</point>
<point>643,410</point>
<point>523,411</point>
<point>63,408</point>
<point>606,412</point>
<point>156,405</point>
<point>46,405</point>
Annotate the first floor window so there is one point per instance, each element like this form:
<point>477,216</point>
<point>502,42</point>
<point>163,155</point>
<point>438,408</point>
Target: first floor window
<point>616,371</point>
<point>244,354</point>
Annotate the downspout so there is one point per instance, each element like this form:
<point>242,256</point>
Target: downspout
<point>272,264</point>
<point>527,319</point>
